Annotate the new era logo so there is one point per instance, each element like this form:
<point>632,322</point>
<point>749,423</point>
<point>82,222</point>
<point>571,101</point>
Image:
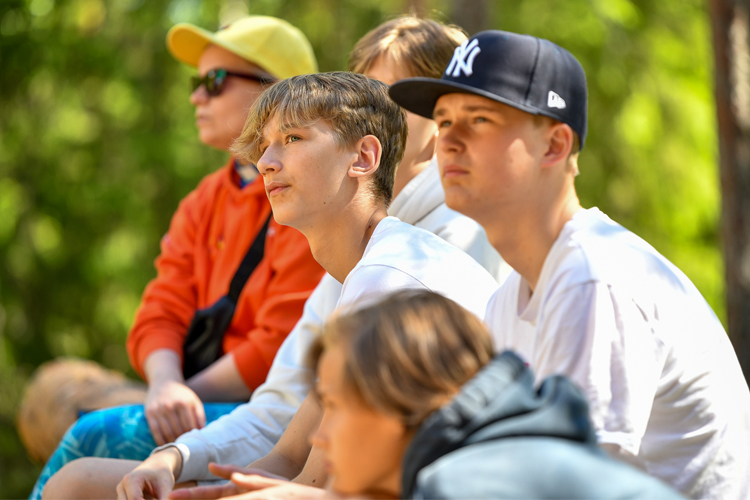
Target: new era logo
<point>555,101</point>
<point>463,59</point>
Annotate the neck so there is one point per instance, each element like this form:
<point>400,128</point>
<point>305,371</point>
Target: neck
<point>525,237</point>
<point>390,487</point>
<point>338,244</point>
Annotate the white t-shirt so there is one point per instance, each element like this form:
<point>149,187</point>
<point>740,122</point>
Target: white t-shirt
<point>400,256</point>
<point>659,372</point>
<point>251,430</point>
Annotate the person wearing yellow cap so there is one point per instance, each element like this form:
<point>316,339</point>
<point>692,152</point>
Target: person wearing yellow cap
<point>230,283</point>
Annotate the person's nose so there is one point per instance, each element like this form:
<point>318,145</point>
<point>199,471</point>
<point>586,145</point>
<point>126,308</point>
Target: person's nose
<point>319,437</point>
<point>269,161</point>
<point>199,96</point>
<point>450,139</point>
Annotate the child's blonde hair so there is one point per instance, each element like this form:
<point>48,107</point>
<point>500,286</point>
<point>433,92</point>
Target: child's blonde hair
<point>353,105</point>
<point>408,354</point>
<point>420,47</point>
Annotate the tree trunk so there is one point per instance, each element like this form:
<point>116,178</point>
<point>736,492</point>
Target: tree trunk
<point>731,23</point>
<point>472,15</point>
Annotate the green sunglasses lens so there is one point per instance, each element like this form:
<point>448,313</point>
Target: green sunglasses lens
<point>213,81</point>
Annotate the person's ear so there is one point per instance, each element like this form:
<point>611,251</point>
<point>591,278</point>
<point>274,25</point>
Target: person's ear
<point>560,138</point>
<point>369,152</point>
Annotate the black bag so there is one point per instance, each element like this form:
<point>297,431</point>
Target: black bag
<point>203,343</point>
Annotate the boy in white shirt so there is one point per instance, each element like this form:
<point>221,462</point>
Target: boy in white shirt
<point>589,299</point>
<point>327,146</point>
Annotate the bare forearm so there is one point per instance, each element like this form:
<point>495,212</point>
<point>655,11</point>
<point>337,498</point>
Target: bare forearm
<point>163,365</point>
<point>277,464</point>
<point>220,382</point>
<point>289,456</point>
<point>314,472</point>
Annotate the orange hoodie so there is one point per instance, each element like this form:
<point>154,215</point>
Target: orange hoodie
<point>208,237</point>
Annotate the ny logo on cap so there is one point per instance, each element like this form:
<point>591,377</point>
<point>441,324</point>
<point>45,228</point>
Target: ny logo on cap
<point>555,101</point>
<point>463,58</point>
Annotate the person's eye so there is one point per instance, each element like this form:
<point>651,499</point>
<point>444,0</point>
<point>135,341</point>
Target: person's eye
<point>480,119</point>
<point>444,123</point>
<point>293,138</point>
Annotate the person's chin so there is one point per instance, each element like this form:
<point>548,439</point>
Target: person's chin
<point>456,196</point>
<point>281,215</point>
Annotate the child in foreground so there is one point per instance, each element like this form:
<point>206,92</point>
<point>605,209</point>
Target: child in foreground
<point>416,406</point>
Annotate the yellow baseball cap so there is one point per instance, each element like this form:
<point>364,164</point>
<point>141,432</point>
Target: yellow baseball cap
<point>273,44</point>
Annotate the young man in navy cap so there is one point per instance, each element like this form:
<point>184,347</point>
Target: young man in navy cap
<point>589,299</point>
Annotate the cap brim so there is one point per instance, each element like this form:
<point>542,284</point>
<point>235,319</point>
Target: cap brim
<point>419,95</point>
<point>187,42</point>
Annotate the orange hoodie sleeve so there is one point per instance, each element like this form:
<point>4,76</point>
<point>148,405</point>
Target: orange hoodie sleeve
<point>170,300</point>
<point>287,276</point>
<point>207,239</point>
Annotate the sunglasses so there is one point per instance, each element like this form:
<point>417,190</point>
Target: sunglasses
<point>216,79</point>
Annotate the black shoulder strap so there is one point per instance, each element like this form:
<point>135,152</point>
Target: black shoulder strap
<point>252,258</point>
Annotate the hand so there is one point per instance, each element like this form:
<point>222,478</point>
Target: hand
<point>172,409</point>
<point>222,490</point>
<point>154,478</point>
<point>263,488</point>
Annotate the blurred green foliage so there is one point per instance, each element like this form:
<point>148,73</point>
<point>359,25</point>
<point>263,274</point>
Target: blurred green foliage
<point>98,145</point>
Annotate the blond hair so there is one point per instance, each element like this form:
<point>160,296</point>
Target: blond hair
<point>353,105</point>
<point>408,354</point>
<point>420,47</point>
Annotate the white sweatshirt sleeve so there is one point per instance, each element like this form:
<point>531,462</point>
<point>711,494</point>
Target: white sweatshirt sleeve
<point>469,236</point>
<point>251,430</point>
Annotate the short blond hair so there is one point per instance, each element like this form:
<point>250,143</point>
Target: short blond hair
<point>409,354</point>
<point>421,47</point>
<point>353,105</point>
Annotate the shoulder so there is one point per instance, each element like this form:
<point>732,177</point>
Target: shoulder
<point>501,469</point>
<point>452,227</point>
<point>594,248</point>
<point>393,236</point>
<point>368,283</point>
<point>205,193</point>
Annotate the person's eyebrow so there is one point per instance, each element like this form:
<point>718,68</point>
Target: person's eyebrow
<point>263,140</point>
<point>436,113</point>
<point>480,107</point>
<point>468,109</point>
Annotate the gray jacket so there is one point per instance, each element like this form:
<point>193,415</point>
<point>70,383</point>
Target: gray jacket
<point>499,438</point>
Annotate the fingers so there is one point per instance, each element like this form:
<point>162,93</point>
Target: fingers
<point>225,471</point>
<point>129,489</point>
<point>160,489</point>
<point>200,415</point>
<point>255,482</point>
<point>187,418</point>
<point>153,426</point>
<point>160,426</point>
<point>164,428</point>
<point>171,421</point>
<point>205,492</point>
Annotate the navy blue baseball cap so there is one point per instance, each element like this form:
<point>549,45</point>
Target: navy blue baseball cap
<point>528,73</point>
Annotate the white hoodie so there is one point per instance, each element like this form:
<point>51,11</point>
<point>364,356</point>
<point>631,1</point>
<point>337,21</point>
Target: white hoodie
<point>251,430</point>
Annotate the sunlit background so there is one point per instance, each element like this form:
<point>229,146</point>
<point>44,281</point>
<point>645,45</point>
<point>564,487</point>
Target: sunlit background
<point>98,145</point>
